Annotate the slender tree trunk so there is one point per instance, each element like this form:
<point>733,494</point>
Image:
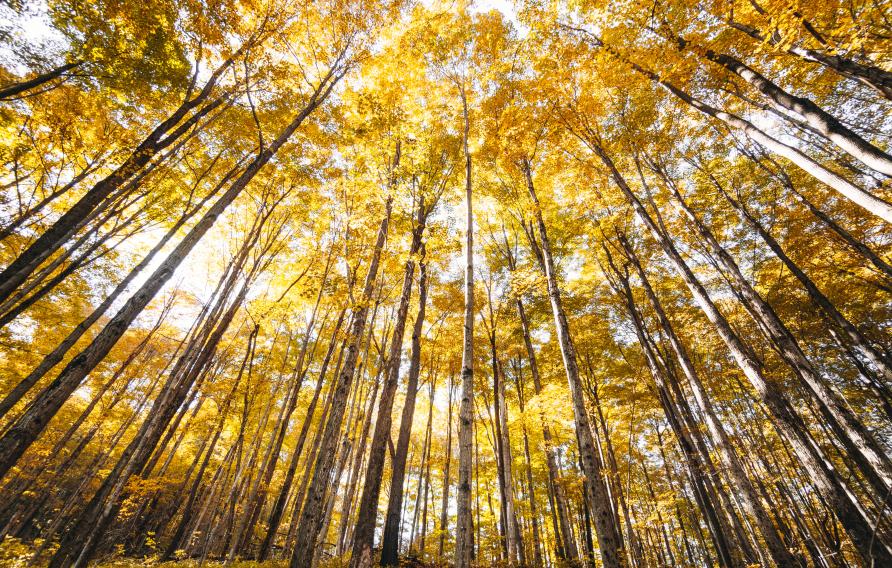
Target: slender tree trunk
<point>788,422</point>
<point>597,495</point>
<point>390,539</point>
<point>357,469</point>
<point>531,489</point>
<point>444,504</point>
<point>866,252</point>
<point>464,548</point>
<point>162,136</point>
<point>870,202</point>
<point>222,412</point>
<point>512,532</point>
<point>708,506</point>
<point>427,472</point>
<point>14,90</point>
<point>869,75</point>
<point>28,427</point>
<point>852,336</point>
<point>310,521</point>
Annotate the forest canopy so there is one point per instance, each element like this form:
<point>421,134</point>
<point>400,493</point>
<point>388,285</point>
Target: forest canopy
<point>347,283</point>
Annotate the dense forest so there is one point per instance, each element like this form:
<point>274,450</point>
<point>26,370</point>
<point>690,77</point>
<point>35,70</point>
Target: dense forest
<point>346,283</point>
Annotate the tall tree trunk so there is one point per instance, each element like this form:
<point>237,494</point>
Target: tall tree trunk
<point>162,136</point>
<point>852,335</point>
<point>427,472</point>
<point>531,489</point>
<point>503,447</point>
<point>870,202</point>
<point>58,353</point>
<point>363,537</point>
<point>596,491</point>
<point>222,413</point>
<point>28,427</point>
<point>696,469</point>
<point>391,537</point>
<point>788,422</point>
<point>563,532</point>
<point>310,521</point>
<point>464,548</point>
<point>752,504</point>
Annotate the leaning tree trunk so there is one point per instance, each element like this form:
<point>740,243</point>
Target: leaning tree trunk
<point>859,443</point>
<point>58,353</point>
<point>869,75</point>
<point>13,91</point>
<point>696,470</point>
<point>596,491</point>
<point>391,537</point>
<point>28,427</point>
<point>363,536</point>
<point>870,202</point>
<point>162,136</point>
<point>852,335</point>
<point>560,508</point>
<point>815,117</point>
<point>787,421</point>
<point>310,521</point>
<point>752,504</point>
<point>222,412</point>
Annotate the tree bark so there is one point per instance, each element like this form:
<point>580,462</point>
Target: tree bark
<point>310,522</point>
<point>599,500</point>
<point>788,422</point>
<point>28,427</point>
<point>464,547</point>
<point>390,539</point>
<point>752,504</point>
